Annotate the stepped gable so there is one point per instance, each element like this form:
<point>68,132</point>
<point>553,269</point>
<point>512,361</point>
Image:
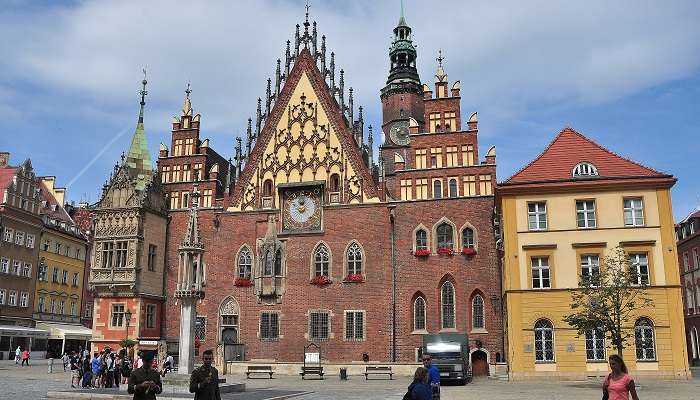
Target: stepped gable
<point>305,63</point>
<point>569,148</point>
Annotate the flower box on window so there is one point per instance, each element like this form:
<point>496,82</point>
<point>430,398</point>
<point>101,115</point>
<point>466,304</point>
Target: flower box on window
<point>422,253</point>
<point>197,343</point>
<point>468,251</point>
<point>242,282</point>
<point>320,280</point>
<point>354,278</point>
<point>446,251</point>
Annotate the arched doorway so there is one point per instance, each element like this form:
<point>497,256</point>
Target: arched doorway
<point>480,363</point>
<point>229,329</point>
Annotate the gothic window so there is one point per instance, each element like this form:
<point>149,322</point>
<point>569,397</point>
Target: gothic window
<point>445,236</point>
<point>437,189</point>
<point>421,239</point>
<point>321,260</point>
<point>478,312</point>
<point>468,238</point>
<point>447,301</point>
<point>453,188</point>
<point>245,263</point>
<point>278,263</point>
<point>644,340</point>
<point>228,313</point>
<point>120,254</point>
<point>335,183</point>
<point>354,258</point>
<point>267,188</point>
<point>419,314</point>
<point>544,341</point>
<point>268,266</point>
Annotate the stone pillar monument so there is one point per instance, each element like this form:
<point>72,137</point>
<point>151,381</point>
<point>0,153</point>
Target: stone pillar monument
<point>190,285</point>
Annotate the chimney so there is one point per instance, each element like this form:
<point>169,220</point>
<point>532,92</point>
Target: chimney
<point>4,159</point>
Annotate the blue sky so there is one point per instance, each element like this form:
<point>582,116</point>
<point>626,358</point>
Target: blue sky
<point>626,74</point>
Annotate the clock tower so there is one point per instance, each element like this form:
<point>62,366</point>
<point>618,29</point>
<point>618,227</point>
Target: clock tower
<point>402,97</point>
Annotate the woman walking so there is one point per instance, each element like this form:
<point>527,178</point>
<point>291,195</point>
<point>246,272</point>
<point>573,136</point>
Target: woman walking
<point>25,357</point>
<point>419,389</point>
<point>619,385</point>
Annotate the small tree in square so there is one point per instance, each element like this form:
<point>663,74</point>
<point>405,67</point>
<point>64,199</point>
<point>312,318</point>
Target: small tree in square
<point>609,299</point>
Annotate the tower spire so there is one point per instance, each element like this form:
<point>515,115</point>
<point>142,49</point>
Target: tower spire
<point>440,74</point>
<point>402,19</point>
<point>143,94</point>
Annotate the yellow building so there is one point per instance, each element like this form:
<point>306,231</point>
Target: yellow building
<point>561,214</point>
<point>59,286</point>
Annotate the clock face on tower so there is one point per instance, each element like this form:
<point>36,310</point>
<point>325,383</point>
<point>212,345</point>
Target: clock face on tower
<point>399,133</point>
<point>301,209</point>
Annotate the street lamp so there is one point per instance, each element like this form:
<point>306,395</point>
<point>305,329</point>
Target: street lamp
<point>127,316</point>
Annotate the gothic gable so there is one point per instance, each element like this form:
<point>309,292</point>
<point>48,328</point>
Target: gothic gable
<point>122,193</point>
<point>306,139</point>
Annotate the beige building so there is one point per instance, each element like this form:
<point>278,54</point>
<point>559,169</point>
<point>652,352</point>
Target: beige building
<point>561,215</point>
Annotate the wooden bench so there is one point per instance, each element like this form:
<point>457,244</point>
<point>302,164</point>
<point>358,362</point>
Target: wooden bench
<point>378,371</point>
<point>259,369</point>
<point>311,371</point>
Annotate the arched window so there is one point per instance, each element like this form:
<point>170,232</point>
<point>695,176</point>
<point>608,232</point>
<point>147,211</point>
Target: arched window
<point>453,187</point>
<point>584,169</point>
<point>544,341</point>
<point>421,239</point>
<point>447,298</point>
<point>437,189</point>
<point>278,263</point>
<point>335,183</point>
<point>468,238</point>
<point>445,236</point>
<point>245,263</point>
<point>321,260</point>
<point>228,319</point>
<point>267,268</point>
<point>267,188</point>
<point>354,258</point>
<point>644,339</point>
<point>419,314</point>
<point>478,312</point>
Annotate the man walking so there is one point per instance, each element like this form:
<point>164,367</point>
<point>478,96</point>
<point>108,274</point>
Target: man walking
<point>433,373</point>
<point>144,382</point>
<point>74,361</point>
<point>66,360</point>
<point>18,353</point>
<point>204,382</point>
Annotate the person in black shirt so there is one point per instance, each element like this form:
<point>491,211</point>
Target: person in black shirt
<point>74,370</point>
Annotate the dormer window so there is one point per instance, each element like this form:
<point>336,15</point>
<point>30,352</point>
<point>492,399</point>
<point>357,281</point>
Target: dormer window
<point>584,170</point>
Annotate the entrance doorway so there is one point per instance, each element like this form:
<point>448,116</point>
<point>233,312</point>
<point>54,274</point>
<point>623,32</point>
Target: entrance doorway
<point>480,364</point>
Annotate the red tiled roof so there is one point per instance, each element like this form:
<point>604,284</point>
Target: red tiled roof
<point>59,212</point>
<point>6,175</point>
<point>569,148</point>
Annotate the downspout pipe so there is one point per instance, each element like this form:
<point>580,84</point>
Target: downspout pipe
<point>392,238</point>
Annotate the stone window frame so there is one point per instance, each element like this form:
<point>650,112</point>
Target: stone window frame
<point>30,241</point>
<point>331,334</point>
<point>345,325</point>
<point>260,326</point>
<point>434,234</point>
<point>151,317</point>
<point>537,213</point>
<point>475,236</point>
<point>635,222</point>
<point>9,235</point>
<point>225,310</point>
<point>450,181</point>
<point>23,299</point>
<point>5,265</point>
<point>434,182</point>
<point>112,316</point>
<point>312,264</point>
<point>12,300</point>
<point>204,335</point>
<point>585,211</point>
<point>474,327</point>
<point>427,237</point>
<point>417,329</point>
<point>245,247</point>
<point>346,261</point>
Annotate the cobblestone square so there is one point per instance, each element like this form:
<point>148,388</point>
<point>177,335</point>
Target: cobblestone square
<point>34,382</point>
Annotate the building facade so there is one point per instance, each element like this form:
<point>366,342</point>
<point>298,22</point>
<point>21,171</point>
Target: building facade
<point>561,215</point>
<point>20,225</point>
<point>128,253</point>
<point>60,273</point>
<point>306,239</point>
<point>82,215</point>
<point>688,242</point>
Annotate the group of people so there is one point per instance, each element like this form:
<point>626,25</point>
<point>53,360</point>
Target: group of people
<point>22,355</point>
<point>106,369</point>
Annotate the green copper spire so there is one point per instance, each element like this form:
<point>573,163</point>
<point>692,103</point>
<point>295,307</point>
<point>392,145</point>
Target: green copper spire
<point>138,160</point>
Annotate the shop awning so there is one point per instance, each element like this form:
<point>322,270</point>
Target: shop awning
<point>11,330</point>
<point>66,331</point>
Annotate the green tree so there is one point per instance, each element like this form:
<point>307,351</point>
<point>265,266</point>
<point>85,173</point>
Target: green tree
<point>608,299</point>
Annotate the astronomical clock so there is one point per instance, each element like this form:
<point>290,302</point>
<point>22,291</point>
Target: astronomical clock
<point>302,208</point>
<point>398,132</point>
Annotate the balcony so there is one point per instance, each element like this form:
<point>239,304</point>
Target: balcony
<point>112,276</point>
